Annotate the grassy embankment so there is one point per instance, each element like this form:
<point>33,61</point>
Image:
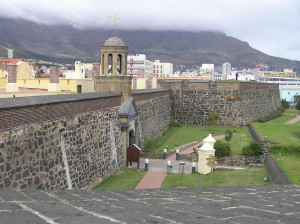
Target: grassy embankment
<point>245,177</point>
<point>125,180</point>
<point>189,133</point>
<point>285,134</point>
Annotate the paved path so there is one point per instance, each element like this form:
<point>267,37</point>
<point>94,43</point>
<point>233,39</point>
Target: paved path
<point>191,148</point>
<point>152,180</point>
<point>254,204</point>
<point>293,121</point>
<point>158,168</point>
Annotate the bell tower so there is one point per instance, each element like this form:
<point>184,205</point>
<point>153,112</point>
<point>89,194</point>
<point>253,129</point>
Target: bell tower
<point>113,72</point>
<point>114,57</point>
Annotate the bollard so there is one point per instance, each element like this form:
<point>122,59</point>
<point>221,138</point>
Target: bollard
<point>146,164</point>
<point>177,154</point>
<point>181,170</point>
<point>193,167</point>
<point>165,154</point>
<point>169,167</point>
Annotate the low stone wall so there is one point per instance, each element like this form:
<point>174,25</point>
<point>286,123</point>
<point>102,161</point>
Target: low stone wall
<point>255,137</point>
<point>191,157</point>
<point>159,155</point>
<point>242,161</point>
<point>277,175</point>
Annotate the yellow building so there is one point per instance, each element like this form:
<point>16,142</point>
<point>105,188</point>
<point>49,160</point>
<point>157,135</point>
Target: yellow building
<point>287,73</point>
<point>24,70</point>
<point>144,83</point>
<point>69,85</point>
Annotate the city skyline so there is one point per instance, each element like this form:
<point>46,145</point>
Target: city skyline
<point>271,26</point>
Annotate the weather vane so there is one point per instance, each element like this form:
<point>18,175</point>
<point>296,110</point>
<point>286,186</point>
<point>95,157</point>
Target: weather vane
<point>114,18</point>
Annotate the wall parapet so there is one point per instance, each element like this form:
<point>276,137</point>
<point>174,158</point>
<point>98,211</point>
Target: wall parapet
<point>26,110</point>
<point>145,94</point>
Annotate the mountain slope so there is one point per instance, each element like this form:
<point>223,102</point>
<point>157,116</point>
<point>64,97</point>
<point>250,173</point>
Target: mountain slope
<point>63,43</point>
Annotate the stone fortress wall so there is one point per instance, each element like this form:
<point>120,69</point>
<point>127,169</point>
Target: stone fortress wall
<point>238,104</point>
<point>54,142</point>
<point>41,136</point>
<point>56,132</point>
<point>155,113</point>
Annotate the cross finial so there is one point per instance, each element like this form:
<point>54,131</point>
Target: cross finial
<point>114,18</point>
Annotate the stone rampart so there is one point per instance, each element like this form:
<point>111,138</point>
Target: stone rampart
<point>238,104</point>
<point>154,108</point>
<point>65,148</point>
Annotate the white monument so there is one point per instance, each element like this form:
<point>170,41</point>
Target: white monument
<point>207,150</point>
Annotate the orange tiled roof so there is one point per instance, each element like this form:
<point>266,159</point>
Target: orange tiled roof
<point>8,60</point>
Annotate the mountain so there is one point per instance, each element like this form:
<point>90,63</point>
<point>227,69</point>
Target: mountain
<point>67,44</point>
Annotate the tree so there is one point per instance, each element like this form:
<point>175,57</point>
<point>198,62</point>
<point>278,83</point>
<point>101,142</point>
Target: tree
<point>284,104</point>
<point>211,162</point>
<point>212,119</point>
<point>228,135</point>
<point>297,101</point>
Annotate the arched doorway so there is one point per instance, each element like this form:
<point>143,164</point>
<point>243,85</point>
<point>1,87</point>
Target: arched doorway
<point>131,137</point>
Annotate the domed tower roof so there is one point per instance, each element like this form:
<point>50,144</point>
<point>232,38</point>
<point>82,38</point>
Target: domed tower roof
<point>114,41</point>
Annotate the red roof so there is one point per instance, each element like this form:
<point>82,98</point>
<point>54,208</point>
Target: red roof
<point>45,75</point>
<point>14,60</point>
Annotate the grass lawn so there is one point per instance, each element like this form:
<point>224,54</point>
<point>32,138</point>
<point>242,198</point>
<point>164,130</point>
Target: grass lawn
<point>292,111</point>
<point>284,118</point>
<point>288,114</point>
<point>125,180</point>
<point>236,144</point>
<point>290,164</point>
<point>189,133</point>
<point>246,177</point>
<point>281,133</point>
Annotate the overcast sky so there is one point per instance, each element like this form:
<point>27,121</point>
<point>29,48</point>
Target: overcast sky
<point>271,26</point>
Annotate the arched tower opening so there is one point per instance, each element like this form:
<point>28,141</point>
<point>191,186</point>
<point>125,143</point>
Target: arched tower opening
<point>119,66</point>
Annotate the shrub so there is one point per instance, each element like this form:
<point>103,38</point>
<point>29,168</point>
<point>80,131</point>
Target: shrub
<point>298,105</point>
<point>271,116</point>
<point>222,149</point>
<point>284,148</point>
<point>254,149</point>
<point>148,143</point>
<point>228,135</point>
<point>174,124</point>
<point>284,104</point>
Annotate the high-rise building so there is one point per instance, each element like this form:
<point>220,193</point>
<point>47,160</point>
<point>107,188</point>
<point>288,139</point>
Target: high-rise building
<point>207,71</point>
<point>226,69</point>
<point>139,66</point>
<point>10,53</point>
<point>162,69</point>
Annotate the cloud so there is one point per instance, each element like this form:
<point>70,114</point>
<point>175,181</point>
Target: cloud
<point>271,26</point>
